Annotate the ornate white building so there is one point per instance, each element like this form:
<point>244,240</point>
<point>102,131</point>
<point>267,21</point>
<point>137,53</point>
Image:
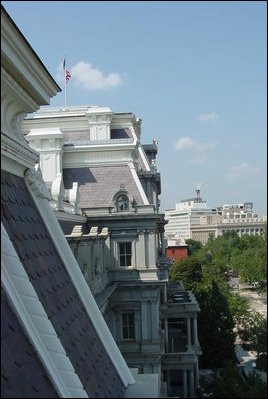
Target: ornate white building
<point>105,188</point>
<point>236,217</point>
<point>193,219</point>
<point>185,215</point>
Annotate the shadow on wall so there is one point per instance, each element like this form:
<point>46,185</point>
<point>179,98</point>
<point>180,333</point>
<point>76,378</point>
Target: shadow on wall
<point>80,175</point>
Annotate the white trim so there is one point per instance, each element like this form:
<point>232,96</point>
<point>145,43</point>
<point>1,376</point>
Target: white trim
<point>35,321</point>
<point>139,185</point>
<point>83,289</point>
<point>143,157</point>
<point>23,63</point>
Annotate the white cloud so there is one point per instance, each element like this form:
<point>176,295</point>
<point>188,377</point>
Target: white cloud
<point>92,78</point>
<point>186,143</point>
<point>240,171</point>
<point>212,116</point>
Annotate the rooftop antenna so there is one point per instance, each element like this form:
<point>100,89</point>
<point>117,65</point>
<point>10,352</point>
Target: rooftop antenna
<point>197,190</point>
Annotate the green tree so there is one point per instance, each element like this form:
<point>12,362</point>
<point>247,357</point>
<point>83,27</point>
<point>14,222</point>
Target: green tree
<point>187,270</point>
<point>250,259</point>
<point>204,273</point>
<point>228,384</point>
<point>215,327</point>
<point>247,255</point>
<point>193,246</point>
<point>254,337</point>
<point>238,305</point>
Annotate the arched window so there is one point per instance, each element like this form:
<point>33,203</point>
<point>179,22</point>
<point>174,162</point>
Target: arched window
<point>122,203</point>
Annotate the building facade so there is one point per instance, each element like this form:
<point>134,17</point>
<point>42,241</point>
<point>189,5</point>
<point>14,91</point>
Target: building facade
<point>176,250</point>
<point>240,218</point>
<point>105,188</point>
<point>192,219</point>
<point>54,339</point>
<point>184,216</point>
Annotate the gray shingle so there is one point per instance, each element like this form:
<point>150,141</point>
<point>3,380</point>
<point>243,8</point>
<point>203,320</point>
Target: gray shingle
<point>98,185</point>
<point>56,291</point>
<point>22,373</point>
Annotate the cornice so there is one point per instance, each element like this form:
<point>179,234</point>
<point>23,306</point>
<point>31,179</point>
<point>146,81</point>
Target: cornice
<point>18,151</point>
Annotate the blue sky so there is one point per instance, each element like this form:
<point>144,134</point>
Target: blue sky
<point>194,71</point>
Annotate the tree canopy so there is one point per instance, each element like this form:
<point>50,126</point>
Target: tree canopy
<point>228,384</point>
<point>205,272</point>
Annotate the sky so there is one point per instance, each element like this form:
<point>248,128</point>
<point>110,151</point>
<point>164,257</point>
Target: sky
<point>195,72</point>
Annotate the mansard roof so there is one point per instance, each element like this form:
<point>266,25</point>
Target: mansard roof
<point>56,291</point>
<point>98,185</point>
<point>20,361</point>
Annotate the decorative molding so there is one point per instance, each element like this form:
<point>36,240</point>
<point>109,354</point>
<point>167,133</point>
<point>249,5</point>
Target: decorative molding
<point>57,191</point>
<point>74,197</point>
<point>38,187</point>
<point>15,103</point>
<point>18,153</point>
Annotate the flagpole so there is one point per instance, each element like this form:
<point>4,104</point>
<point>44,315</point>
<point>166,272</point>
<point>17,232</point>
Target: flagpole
<point>65,82</point>
<point>65,89</point>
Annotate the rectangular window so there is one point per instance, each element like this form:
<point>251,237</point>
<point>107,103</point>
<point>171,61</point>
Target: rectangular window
<point>127,326</point>
<point>125,254</point>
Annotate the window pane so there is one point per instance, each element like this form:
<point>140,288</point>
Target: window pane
<point>125,333</point>
<point>131,319</point>
<point>122,260</point>
<point>127,325</point>
<point>131,332</point>
<point>122,248</point>
<point>125,254</point>
<point>125,319</point>
<point>122,203</point>
<point>128,260</point>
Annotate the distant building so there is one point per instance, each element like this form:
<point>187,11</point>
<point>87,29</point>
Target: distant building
<point>176,250</point>
<point>192,219</point>
<point>185,215</point>
<point>240,218</point>
<point>105,188</point>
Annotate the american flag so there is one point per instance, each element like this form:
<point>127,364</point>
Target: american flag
<point>66,72</point>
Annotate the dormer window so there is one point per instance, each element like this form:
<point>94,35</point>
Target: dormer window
<point>122,203</point>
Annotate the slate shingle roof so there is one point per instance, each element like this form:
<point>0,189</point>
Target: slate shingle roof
<point>98,185</point>
<point>19,360</point>
<point>55,290</point>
